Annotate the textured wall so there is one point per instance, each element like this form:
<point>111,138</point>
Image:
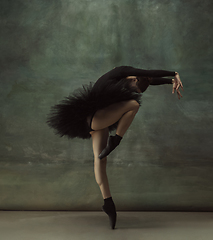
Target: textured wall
<point>49,48</point>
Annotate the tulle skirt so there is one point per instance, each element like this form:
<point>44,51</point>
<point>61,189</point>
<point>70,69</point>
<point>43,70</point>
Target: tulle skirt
<point>70,117</point>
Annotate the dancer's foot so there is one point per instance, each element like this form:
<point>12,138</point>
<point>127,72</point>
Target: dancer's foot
<point>109,209</point>
<point>113,142</point>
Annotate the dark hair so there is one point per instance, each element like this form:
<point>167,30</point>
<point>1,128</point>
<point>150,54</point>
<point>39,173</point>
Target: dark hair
<point>143,83</point>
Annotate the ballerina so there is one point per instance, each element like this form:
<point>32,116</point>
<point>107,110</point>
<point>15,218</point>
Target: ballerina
<point>111,103</point>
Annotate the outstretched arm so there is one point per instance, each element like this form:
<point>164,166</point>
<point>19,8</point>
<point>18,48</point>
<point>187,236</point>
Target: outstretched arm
<point>125,71</point>
<point>176,83</point>
<point>118,73</point>
<point>160,81</point>
<point>131,71</point>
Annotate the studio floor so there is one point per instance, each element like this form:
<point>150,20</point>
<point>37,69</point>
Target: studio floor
<point>34,225</point>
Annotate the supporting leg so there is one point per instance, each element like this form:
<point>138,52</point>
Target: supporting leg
<point>99,139</point>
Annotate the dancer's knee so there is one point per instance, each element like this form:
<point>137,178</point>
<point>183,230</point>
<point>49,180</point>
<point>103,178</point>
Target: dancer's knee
<point>134,105</point>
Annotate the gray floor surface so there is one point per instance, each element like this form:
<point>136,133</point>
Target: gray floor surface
<point>29,225</point>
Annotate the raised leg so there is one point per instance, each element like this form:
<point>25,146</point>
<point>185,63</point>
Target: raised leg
<point>126,121</point>
<point>123,112</point>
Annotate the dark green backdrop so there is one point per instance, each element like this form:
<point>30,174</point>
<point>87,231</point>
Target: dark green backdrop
<point>49,48</point>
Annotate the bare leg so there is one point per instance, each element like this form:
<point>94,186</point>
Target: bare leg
<point>125,122</point>
<point>124,112</point>
<point>99,140</point>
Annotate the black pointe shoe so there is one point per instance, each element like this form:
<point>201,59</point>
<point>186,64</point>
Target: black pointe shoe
<point>113,142</point>
<point>108,149</point>
<point>112,216</point>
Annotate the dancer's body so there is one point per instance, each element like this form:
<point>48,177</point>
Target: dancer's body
<point>125,82</point>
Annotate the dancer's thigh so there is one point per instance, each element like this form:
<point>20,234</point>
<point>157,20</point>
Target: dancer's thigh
<point>105,117</point>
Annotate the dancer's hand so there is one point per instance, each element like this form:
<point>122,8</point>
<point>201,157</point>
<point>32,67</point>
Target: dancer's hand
<point>176,85</point>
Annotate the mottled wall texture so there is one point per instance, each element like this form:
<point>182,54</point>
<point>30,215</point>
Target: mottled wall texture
<point>49,48</point>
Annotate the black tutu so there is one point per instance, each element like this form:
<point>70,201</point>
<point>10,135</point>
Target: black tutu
<point>69,117</point>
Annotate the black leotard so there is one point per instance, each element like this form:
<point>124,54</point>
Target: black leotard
<point>121,72</point>
<point>70,116</point>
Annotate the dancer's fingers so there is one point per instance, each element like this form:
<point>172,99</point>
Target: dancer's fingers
<point>173,87</point>
<point>181,86</point>
<point>179,94</point>
<point>178,85</point>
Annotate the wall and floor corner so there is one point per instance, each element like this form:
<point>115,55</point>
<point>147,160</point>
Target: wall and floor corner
<point>50,48</point>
